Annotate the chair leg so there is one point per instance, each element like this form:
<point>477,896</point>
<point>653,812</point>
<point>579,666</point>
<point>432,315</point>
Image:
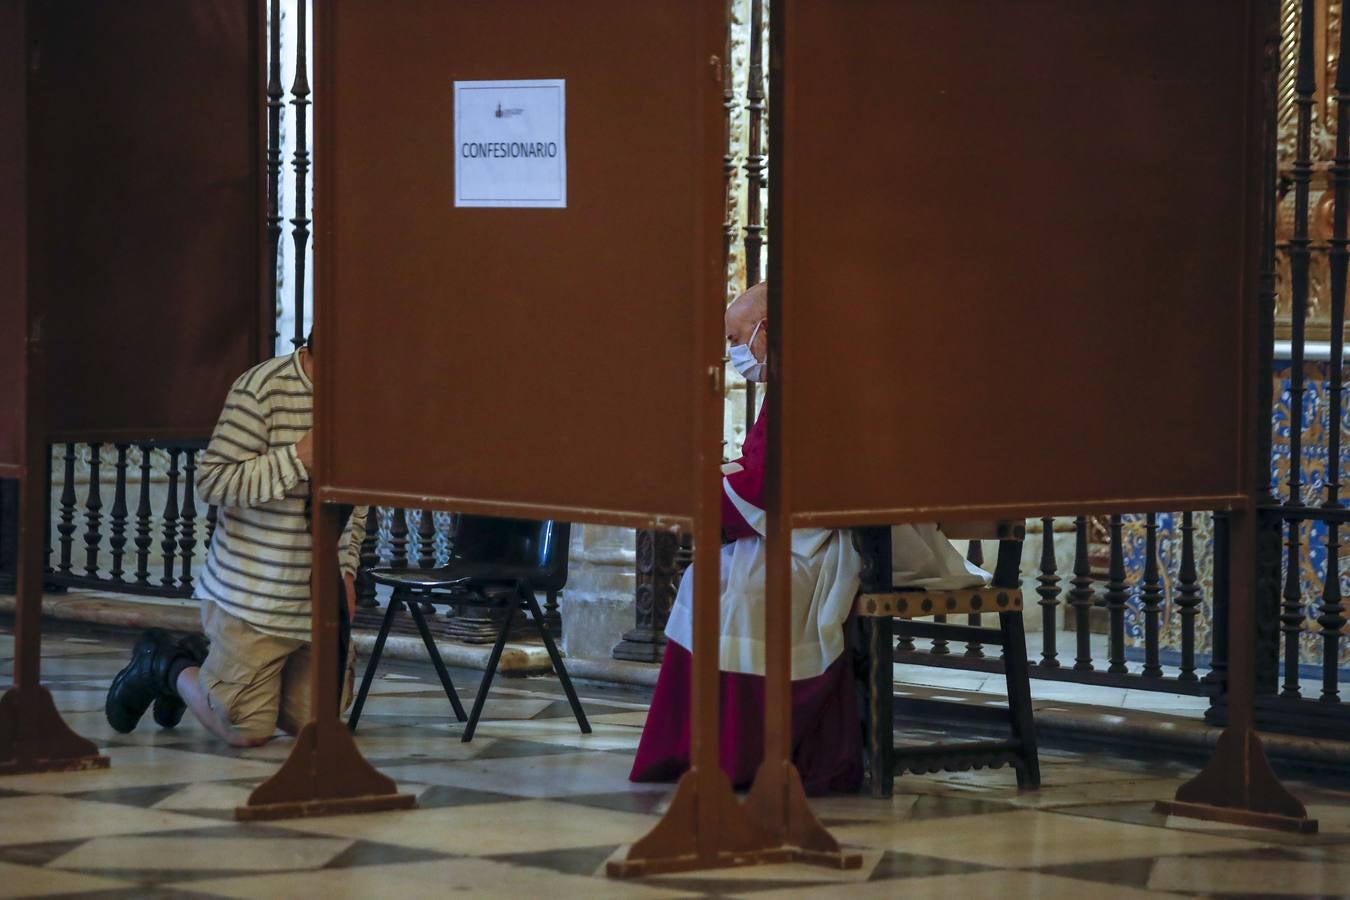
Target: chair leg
<point>493,658</point>
<point>369,675</point>
<point>553,654</point>
<point>880,703</point>
<point>1019,698</point>
<point>439,664</point>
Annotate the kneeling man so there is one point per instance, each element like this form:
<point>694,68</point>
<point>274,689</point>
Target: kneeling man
<point>254,675</point>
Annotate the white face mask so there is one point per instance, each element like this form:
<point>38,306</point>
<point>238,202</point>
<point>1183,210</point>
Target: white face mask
<point>743,360</point>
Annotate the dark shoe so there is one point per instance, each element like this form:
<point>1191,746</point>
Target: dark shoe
<point>169,708</point>
<point>144,679</point>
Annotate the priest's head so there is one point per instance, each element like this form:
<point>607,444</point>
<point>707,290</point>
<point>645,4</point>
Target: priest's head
<point>747,321</point>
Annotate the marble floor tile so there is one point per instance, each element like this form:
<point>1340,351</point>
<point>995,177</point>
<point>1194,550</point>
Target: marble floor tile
<point>430,880</point>
<point>93,724</point>
<point>1051,795</point>
<point>57,645</point>
<point>787,872</point>
<point>136,766</point>
<point>1153,701</point>
<point>548,686</point>
<point>857,809</point>
<point>556,775</point>
<point>995,885</point>
<point>1030,838</point>
<point>487,829</point>
<point>633,719</point>
<point>31,881</point>
<point>410,743</point>
<point>1255,877</point>
<point>80,700</point>
<point>564,732</point>
<point>185,852</point>
<point>439,705</point>
<point>209,795</point>
<point>37,819</point>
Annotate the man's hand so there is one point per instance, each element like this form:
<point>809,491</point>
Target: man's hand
<point>304,448</point>
<point>349,582</point>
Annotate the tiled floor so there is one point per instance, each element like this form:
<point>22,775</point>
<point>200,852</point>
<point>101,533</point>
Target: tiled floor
<point>533,808</point>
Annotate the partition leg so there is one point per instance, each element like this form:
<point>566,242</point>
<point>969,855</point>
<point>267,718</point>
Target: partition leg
<point>325,772</point>
<point>705,827</point>
<point>1238,785</point>
<point>33,736</point>
<point>777,799</point>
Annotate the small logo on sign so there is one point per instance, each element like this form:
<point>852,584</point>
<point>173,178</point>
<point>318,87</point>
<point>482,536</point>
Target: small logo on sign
<point>507,113</point>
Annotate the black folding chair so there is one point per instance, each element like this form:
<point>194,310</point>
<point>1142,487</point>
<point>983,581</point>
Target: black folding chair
<point>501,562</point>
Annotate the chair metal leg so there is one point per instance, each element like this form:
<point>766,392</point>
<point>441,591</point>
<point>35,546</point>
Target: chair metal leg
<point>1019,699</point>
<point>880,704</point>
<point>439,664</point>
<point>553,654</point>
<point>491,670</point>
<point>369,675</point>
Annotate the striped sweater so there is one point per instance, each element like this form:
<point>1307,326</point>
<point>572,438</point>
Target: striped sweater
<point>258,565</point>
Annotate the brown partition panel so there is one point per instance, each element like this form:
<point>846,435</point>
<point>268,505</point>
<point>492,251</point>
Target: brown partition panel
<point>13,238</point>
<point>535,361</point>
<point>147,210</point>
<point>1016,240</point>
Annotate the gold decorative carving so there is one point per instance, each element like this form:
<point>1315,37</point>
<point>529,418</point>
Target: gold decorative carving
<point>1328,25</point>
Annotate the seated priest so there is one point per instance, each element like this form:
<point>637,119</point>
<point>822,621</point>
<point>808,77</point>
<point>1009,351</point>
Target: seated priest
<point>826,731</point>
<point>251,674</point>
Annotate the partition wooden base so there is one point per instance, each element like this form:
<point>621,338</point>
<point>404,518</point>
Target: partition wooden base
<point>324,775</point>
<point>705,827</point>
<point>777,801</point>
<point>34,737</point>
<point>1239,787</point>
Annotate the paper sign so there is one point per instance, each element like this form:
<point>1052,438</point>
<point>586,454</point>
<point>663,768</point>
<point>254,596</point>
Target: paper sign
<point>511,143</point>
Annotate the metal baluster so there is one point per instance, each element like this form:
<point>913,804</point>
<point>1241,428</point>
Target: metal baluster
<point>370,558</point>
<point>1048,590</point>
<point>170,520</point>
<point>1114,599</point>
<point>398,538</point>
<point>93,516</point>
<point>1218,664</point>
<point>300,224</point>
<point>211,513</point>
<point>66,529</point>
<point>47,548</point>
<point>275,96</point>
<point>426,549</point>
<point>143,522</point>
<point>1188,597</point>
<point>1152,595</point>
<point>426,540</point>
<point>975,554</point>
<point>1080,597</point>
<point>755,160</point>
<point>118,541</point>
<point>1332,619</point>
<point>1305,85</point>
<point>188,531</point>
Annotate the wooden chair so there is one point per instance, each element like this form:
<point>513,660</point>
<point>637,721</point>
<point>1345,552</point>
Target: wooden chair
<point>886,611</point>
<point>499,561</point>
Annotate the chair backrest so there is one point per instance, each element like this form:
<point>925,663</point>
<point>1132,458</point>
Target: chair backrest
<point>540,546</point>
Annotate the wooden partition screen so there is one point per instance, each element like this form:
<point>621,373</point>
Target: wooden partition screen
<point>559,362</point>
<point>148,213</point>
<point>131,269</point>
<point>1064,216</point>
